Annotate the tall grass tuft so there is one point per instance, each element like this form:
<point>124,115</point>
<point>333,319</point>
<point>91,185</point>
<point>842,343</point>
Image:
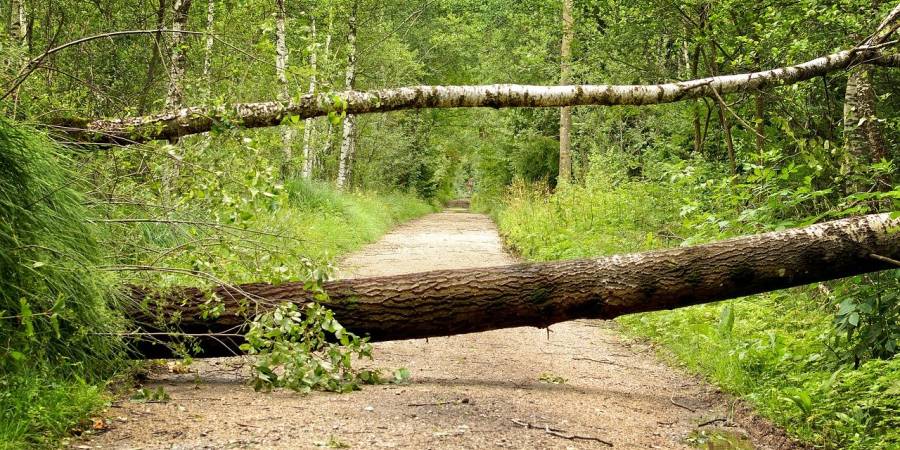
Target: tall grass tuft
<point>54,306</point>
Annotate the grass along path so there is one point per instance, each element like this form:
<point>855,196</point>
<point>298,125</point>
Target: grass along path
<point>499,389</point>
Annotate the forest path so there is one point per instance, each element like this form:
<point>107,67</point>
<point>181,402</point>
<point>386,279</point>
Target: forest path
<point>471,391</point>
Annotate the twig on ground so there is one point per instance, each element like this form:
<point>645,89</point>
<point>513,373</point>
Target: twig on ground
<point>560,433</point>
<point>680,405</point>
<point>604,361</point>
<point>463,401</point>
<point>712,421</point>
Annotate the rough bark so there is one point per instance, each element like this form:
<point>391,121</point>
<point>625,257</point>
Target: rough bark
<point>194,120</point>
<point>177,61</point>
<point>207,50</point>
<point>155,58</point>
<point>565,75</point>
<point>309,124</point>
<point>450,302</point>
<point>348,142</point>
<point>862,133</point>
<point>18,23</point>
<point>284,92</point>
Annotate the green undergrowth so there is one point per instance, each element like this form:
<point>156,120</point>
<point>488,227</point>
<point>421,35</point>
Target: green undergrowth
<point>54,309</point>
<point>332,223</point>
<point>66,248</point>
<point>784,352</point>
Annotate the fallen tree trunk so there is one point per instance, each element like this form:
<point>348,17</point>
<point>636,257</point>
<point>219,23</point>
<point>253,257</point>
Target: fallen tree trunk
<point>448,302</point>
<point>193,120</point>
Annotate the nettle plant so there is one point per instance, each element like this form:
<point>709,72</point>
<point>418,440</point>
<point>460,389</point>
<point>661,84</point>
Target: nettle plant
<point>304,348</point>
<point>868,317</point>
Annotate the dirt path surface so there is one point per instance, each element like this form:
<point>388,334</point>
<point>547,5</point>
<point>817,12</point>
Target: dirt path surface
<point>579,386</point>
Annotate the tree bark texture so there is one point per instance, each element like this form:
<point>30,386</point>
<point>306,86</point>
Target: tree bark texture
<point>862,133</point>
<point>565,76</point>
<point>348,142</point>
<point>18,22</point>
<point>448,302</point>
<point>309,124</point>
<point>284,89</point>
<point>186,121</point>
<point>207,50</point>
<point>177,61</point>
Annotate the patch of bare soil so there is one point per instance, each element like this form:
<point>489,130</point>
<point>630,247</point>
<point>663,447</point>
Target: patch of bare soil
<point>580,385</point>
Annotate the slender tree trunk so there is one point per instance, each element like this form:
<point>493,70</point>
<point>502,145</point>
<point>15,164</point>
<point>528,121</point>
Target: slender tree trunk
<point>207,51</point>
<point>348,143</point>
<point>862,133</point>
<point>698,134</point>
<point>175,96</point>
<point>284,94</point>
<point>18,22</point>
<point>309,124</point>
<point>329,127</point>
<point>702,19</point>
<point>723,111</point>
<point>207,60</point>
<point>447,302</point>
<point>565,113</point>
<point>155,58</point>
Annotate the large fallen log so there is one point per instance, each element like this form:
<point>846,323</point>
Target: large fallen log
<point>448,302</point>
<point>198,119</point>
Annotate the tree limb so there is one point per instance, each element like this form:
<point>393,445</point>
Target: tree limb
<point>193,120</point>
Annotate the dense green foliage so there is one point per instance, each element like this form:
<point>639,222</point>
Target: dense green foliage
<point>796,355</point>
<point>53,308</point>
<point>232,205</point>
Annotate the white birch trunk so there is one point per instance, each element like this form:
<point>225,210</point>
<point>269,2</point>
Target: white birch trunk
<point>347,142</point>
<point>207,53</point>
<point>18,23</point>
<point>266,114</point>
<point>284,94</point>
<point>207,60</point>
<point>308,124</point>
<point>565,113</point>
<point>175,95</point>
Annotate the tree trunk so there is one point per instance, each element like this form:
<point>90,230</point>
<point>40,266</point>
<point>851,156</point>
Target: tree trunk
<point>565,113</point>
<point>207,51</point>
<point>698,134</point>
<point>862,133</point>
<point>308,124</point>
<point>18,22</point>
<point>186,121</point>
<point>723,111</point>
<point>284,93</point>
<point>175,97</point>
<point>155,58</point>
<point>348,144</point>
<point>448,302</point>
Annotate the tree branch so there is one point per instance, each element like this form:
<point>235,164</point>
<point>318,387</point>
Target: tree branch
<point>194,120</point>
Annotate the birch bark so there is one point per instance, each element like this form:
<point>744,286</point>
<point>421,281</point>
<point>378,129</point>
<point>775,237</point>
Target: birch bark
<point>348,143</point>
<point>284,93</point>
<point>266,114</point>
<point>177,60</point>
<point>309,124</point>
<point>18,22</point>
<point>565,113</point>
